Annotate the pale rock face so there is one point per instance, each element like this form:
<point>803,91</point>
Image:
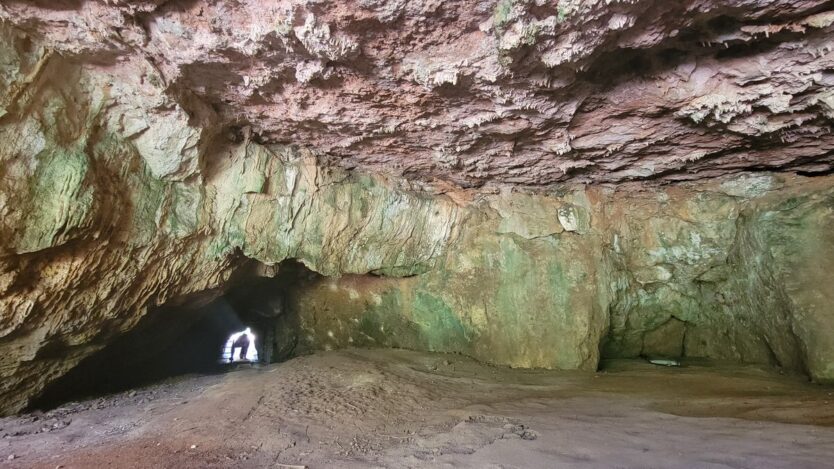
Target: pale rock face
<point>573,219</point>
<point>526,215</point>
<point>148,149</point>
<point>320,42</point>
<point>169,146</point>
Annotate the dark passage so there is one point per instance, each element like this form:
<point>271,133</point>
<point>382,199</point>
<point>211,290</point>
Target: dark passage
<point>191,338</point>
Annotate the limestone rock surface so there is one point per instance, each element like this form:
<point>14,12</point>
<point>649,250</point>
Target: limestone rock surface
<point>476,92</point>
<point>535,184</point>
<point>697,271</point>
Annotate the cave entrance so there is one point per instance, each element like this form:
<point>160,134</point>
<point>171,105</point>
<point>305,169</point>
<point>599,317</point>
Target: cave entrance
<point>248,325</point>
<point>240,348</point>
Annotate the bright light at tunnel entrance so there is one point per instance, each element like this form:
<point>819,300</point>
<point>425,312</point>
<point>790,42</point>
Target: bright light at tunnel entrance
<point>240,347</point>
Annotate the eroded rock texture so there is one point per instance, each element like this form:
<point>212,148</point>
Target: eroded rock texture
<point>148,149</point>
<point>732,270</point>
<point>474,92</point>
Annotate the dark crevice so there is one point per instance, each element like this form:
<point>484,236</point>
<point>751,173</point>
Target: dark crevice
<point>821,172</point>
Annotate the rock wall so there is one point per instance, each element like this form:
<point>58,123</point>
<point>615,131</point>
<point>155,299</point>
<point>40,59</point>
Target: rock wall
<point>518,291</point>
<point>731,270</point>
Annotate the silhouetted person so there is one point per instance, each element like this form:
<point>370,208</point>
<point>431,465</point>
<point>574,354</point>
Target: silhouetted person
<point>242,342</point>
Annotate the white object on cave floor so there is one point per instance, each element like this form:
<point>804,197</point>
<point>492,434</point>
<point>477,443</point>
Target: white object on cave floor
<point>664,362</point>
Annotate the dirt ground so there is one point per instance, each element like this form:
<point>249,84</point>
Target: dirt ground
<point>397,409</point>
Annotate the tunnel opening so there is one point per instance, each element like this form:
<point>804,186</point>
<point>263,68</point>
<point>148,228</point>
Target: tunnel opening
<point>240,347</point>
<point>248,324</point>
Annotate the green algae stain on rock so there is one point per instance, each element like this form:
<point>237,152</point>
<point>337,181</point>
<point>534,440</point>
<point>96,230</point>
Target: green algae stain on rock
<point>383,323</point>
<point>502,14</point>
<point>400,317</point>
<point>184,213</point>
<point>441,330</point>
<point>798,239</point>
<point>142,194</point>
<point>60,200</point>
<point>147,195</point>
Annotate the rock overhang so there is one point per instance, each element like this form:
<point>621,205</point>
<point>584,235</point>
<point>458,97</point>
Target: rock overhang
<point>513,92</point>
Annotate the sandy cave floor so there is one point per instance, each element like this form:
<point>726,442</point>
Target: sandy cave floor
<point>395,408</point>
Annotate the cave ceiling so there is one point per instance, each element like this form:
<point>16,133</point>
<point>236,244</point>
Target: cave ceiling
<point>474,93</point>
